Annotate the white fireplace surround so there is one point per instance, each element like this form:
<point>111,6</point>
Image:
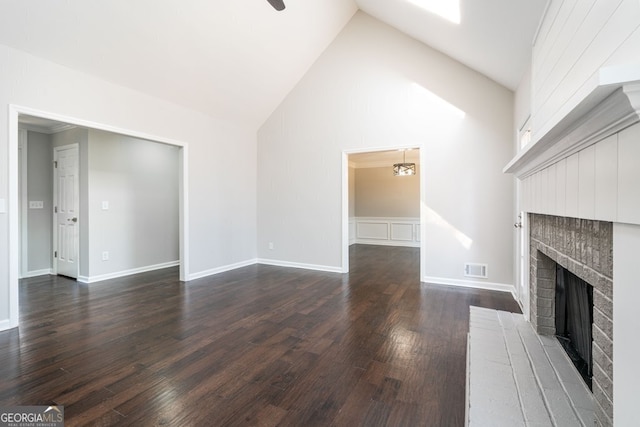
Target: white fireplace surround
<point>585,163</point>
<point>610,103</point>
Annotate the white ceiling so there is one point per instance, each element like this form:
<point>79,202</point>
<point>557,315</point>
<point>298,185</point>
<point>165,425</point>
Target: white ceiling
<point>239,59</point>
<point>493,37</point>
<point>235,59</point>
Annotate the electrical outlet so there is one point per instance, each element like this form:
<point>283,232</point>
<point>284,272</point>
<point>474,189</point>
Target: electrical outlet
<point>105,256</point>
<point>105,205</point>
<point>36,204</point>
<point>270,246</point>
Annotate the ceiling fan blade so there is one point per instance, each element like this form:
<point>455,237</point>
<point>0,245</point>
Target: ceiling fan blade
<point>277,4</point>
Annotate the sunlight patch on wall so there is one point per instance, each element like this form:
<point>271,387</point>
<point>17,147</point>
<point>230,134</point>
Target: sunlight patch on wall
<point>432,217</point>
<point>447,9</point>
<point>425,103</point>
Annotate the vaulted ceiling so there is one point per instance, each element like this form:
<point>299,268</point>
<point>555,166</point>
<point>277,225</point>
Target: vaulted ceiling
<point>239,59</point>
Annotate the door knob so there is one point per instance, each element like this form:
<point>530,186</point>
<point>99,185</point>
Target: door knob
<point>73,219</point>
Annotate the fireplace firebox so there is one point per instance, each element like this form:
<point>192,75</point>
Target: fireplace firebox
<point>574,319</point>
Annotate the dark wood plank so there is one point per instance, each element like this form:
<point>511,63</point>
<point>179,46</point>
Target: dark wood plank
<point>260,345</point>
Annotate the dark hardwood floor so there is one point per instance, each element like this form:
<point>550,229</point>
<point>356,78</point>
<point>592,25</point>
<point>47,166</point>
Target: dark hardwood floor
<point>260,345</point>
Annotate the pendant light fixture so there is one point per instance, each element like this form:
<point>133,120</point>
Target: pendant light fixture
<point>404,168</point>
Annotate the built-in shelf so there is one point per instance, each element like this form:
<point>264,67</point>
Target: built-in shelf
<point>608,103</point>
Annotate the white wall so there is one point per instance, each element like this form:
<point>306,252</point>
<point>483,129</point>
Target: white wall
<point>221,211</point>
<point>139,180</point>
<point>379,193</point>
<point>376,88</point>
<point>352,192</point>
<point>39,188</point>
<point>576,39</point>
<point>522,108</point>
<point>626,323</point>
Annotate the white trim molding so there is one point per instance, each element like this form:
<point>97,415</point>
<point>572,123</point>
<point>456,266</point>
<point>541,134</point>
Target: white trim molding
<point>221,269</point>
<point>387,231</point>
<point>490,286</point>
<point>316,267</point>
<point>36,273</point>
<point>6,324</point>
<point>23,195</point>
<point>117,274</point>
<point>608,104</point>
<point>49,130</point>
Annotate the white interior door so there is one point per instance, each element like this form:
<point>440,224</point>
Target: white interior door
<point>66,201</point>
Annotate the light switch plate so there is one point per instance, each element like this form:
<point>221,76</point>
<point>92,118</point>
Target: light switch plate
<point>36,204</point>
<point>105,205</point>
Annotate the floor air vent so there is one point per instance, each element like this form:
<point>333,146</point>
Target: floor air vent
<point>476,270</point>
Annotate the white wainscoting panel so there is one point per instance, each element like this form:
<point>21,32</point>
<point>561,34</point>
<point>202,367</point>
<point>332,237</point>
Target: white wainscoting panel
<point>606,171</point>
<point>573,182</point>
<point>377,230</point>
<point>587,183</point>
<point>402,231</point>
<point>385,231</point>
<point>561,188</point>
<point>599,182</point>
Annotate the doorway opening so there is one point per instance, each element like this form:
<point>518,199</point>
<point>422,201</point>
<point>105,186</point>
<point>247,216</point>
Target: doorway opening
<point>379,206</point>
<point>166,152</point>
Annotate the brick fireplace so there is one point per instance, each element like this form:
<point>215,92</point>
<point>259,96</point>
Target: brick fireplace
<point>583,247</point>
<point>584,164</point>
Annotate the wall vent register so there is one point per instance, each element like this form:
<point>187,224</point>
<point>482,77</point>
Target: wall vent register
<point>476,270</point>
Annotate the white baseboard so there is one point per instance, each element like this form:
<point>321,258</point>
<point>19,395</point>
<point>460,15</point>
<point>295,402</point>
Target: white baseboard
<point>6,325</point>
<point>117,274</point>
<point>490,286</point>
<point>406,244</point>
<point>316,267</point>
<point>222,269</point>
<point>468,387</point>
<point>36,273</point>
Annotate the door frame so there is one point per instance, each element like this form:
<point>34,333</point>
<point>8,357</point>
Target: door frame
<point>23,221</point>
<point>55,236</point>
<point>14,212</point>
<point>521,252</point>
<point>523,265</point>
<point>345,201</point>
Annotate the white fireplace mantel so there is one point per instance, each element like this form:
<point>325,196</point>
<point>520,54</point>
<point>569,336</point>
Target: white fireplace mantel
<point>608,103</point>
